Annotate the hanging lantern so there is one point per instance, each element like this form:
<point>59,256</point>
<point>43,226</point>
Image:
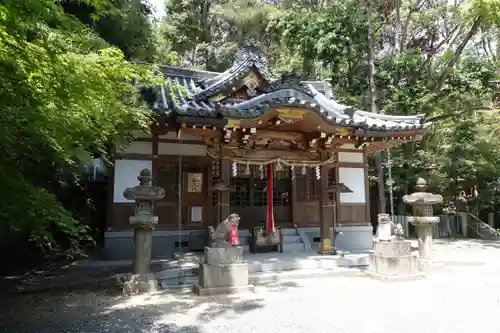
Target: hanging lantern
<point>279,168</point>
<point>292,171</point>
<point>318,172</point>
<point>247,170</point>
<point>261,171</point>
<point>235,169</point>
<point>304,171</point>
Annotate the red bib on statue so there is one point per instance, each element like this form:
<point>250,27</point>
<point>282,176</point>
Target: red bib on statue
<point>233,235</point>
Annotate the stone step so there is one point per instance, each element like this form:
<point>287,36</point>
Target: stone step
<point>289,232</point>
<point>325,262</point>
<point>180,278</point>
<point>293,247</point>
<point>178,284</point>
<point>292,239</point>
<point>185,269</point>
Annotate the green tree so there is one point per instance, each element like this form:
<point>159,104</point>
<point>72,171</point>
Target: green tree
<point>66,97</point>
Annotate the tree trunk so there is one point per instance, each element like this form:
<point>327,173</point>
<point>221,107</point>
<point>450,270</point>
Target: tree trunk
<point>373,106</point>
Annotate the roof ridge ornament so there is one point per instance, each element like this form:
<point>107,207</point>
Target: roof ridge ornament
<point>251,50</point>
<point>290,81</point>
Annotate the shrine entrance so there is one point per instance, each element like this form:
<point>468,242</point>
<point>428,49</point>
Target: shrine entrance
<point>185,205</point>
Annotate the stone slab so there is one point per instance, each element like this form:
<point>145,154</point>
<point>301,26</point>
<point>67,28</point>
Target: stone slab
<point>396,278</point>
<point>232,275</point>
<point>393,265</point>
<point>392,248</point>
<point>202,291</point>
<point>384,230</point>
<point>223,255</point>
<point>140,284</point>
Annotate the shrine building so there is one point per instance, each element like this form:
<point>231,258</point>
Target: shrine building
<point>243,141</point>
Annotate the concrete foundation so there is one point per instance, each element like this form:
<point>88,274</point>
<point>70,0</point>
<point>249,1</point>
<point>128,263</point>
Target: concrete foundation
<point>215,256</point>
<point>223,272</point>
<point>393,261</point>
<point>119,245</point>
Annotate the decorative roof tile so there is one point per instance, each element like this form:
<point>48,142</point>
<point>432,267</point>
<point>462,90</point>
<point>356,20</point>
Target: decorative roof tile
<point>187,93</point>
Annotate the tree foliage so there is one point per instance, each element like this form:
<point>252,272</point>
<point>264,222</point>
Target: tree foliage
<point>66,97</point>
<point>431,57</point>
<point>66,92</point>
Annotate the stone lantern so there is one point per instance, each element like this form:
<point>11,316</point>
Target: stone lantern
<point>423,217</point>
<point>143,221</point>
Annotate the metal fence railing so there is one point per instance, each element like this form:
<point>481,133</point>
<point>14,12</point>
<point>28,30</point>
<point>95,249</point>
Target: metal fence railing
<point>448,226</point>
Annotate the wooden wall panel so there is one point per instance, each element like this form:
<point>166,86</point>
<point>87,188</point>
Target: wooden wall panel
<point>120,212</point>
<point>256,216</point>
<point>307,214</point>
<point>352,214</point>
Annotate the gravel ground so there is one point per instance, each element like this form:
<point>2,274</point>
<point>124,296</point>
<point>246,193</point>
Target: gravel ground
<point>461,299</point>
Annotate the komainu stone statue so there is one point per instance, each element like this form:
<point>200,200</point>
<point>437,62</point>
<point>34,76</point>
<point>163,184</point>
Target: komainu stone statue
<point>389,230</point>
<point>397,230</point>
<point>226,233</point>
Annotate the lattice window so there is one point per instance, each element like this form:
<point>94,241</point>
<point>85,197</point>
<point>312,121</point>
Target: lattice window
<point>241,170</point>
<point>261,172</point>
<point>332,179</point>
<point>240,196</point>
<point>169,180</point>
<point>307,185</point>
<point>281,189</point>
<point>260,192</point>
<point>215,179</point>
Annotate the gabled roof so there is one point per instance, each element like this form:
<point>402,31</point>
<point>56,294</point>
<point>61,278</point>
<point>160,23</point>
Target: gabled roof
<point>188,91</point>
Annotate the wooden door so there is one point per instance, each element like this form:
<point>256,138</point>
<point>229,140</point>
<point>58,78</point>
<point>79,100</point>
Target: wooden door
<point>167,207</point>
<point>193,200</point>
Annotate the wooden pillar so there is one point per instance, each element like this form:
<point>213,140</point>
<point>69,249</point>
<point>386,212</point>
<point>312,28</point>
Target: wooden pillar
<point>367,187</point>
<point>294,200</point>
<point>225,176</point>
<point>324,212</point>
<point>111,186</point>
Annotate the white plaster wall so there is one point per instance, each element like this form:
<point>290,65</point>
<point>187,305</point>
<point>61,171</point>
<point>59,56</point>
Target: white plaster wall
<point>126,172</point>
<point>169,135</point>
<point>136,147</point>
<point>166,148</point>
<point>349,157</point>
<point>353,178</point>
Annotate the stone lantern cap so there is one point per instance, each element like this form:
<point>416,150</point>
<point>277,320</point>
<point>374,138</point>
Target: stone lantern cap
<point>144,191</point>
<point>420,197</point>
<point>422,205</point>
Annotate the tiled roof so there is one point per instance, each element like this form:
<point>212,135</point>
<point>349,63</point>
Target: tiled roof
<point>187,93</point>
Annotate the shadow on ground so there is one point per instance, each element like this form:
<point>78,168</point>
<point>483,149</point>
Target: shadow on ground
<point>105,312</point>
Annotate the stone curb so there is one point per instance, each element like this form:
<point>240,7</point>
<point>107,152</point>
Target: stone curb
<point>90,284</point>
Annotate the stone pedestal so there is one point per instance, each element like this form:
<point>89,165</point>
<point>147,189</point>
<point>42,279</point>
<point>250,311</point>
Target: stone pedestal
<point>143,223</point>
<point>423,226</point>
<point>139,284</point>
<point>393,261</point>
<point>423,219</point>
<point>384,227</point>
<point>424,236</point>
<point>143,242</point>
<point>223,272</point>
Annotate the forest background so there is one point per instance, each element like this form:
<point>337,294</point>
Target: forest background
<point>66,97</point>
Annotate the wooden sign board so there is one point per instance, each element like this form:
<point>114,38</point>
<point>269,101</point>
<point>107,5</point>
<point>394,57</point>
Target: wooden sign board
<point>291,113</point>
<point>194,182</point>
<point>233,123</point>
<point>195,214</point>
<point>342,131</point>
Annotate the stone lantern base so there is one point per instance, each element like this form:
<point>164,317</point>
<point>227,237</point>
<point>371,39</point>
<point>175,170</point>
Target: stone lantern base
<point>393,261</point>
